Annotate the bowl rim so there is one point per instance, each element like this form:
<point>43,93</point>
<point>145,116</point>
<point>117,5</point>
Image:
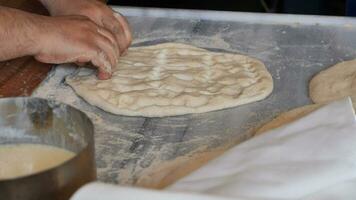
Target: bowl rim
<point>62,164</point>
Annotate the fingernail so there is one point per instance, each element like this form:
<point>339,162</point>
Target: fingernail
<point>104,76</point>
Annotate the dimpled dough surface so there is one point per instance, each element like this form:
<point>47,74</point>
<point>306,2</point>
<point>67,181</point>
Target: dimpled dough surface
<point>175,79</point>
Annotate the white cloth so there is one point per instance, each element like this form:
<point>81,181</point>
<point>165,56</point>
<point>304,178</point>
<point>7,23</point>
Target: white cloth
<point>292,162</point>
<point>313,158</point>
<point>101,191</point>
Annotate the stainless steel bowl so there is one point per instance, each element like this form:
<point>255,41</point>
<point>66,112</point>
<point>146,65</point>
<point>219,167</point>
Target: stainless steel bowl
<point>39,121</point>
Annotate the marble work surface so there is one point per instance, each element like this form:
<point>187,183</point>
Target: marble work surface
<point>153,152</point>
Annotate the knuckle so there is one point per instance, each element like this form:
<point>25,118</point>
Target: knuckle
<point>95,10</point>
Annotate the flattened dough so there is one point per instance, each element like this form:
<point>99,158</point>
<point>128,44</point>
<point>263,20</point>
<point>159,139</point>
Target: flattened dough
<point>334,83</point>
<point>175,79</point>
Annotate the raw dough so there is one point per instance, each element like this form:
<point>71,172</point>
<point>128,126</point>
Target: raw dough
<point>334,83</point>
<point>175,79</point>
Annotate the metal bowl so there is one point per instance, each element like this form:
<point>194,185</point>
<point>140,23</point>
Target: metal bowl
<point>39,121</point>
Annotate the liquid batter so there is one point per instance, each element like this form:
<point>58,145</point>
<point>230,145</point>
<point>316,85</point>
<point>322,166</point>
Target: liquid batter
<point>25,159</point>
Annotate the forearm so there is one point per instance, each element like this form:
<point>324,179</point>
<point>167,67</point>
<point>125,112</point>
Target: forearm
<point>19,33</point>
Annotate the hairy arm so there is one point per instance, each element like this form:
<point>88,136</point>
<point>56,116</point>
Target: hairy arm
<point>19,33</point>
<point>62,39</point>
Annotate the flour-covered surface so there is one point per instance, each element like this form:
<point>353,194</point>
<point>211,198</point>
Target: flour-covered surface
<point>144,151</point>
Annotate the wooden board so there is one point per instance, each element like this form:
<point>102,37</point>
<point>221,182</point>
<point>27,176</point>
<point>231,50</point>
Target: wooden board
<point>19,77</point>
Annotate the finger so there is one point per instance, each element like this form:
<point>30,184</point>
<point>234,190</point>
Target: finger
<point>107,50</point>
<point>112,40</point>
<point>125,25</point>
<point>98,61</point>
<point>81,64</point>
<point>124,53</point>
<point>115,27</point>
<point>104,68</point>
<point>103,75</point>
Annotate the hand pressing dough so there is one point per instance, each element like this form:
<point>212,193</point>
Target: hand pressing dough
<point>334,83</point>
<point>175,79</point>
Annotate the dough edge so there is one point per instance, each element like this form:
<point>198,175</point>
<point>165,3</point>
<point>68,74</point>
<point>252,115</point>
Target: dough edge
<point>320,86</point>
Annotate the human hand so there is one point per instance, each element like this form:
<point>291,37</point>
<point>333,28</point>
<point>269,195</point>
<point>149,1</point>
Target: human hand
<point>99,13</point>
<point>76,39</point>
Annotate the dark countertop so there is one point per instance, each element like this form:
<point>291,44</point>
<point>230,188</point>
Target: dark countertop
<point>154,152</point>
